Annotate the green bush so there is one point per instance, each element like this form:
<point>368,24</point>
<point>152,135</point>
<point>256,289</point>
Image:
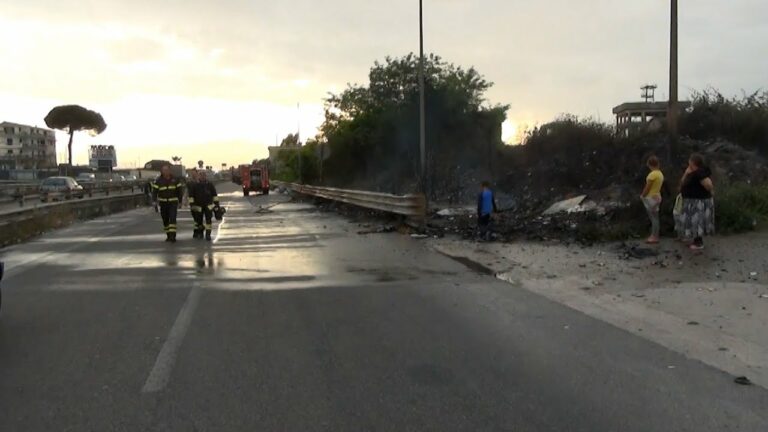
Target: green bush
<point>741,208</point>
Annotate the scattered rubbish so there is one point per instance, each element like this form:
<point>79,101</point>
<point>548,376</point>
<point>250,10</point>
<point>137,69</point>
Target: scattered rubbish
<point>753,275</point>
<point>693,323</point>
<point>566,327</point>
<point>627,251</point>
<point>566,206</point>
<point>764,296</point>
<point>419,236</point>
<point>718,275</point>
<point>671,367</point>
<point>379,230</point>
<point>742,380</point>
<point>722,349</point>
<point>638,295</point>
<point>455,212</point>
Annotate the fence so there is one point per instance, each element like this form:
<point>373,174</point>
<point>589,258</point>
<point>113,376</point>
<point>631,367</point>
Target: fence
<point>413,206</point>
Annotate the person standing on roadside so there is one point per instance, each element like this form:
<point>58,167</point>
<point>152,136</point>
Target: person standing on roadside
<point>167,193</point>
<point>486,207</point>
<point>697,217</point>
<point>651,197</point>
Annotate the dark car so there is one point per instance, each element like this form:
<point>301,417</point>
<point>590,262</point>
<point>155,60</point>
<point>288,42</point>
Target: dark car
<point>54,188</point>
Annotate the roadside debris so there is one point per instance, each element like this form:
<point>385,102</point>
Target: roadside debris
<point>630,251</point>
<point>382,229</point>
<point>419,236</point>
<point>742,380</point>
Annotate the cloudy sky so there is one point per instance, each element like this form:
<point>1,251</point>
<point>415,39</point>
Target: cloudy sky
<point>220,79</point>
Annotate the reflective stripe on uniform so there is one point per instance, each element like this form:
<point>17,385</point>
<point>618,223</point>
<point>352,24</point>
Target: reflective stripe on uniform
<point>208,227</point>
<point>155,186</point>
<point>168,199</point>
<point>196,209</point>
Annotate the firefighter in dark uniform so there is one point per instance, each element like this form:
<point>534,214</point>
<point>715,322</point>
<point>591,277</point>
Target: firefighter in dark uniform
<point>196,211</point>
<point>167,192</point>
<point>203,195</point>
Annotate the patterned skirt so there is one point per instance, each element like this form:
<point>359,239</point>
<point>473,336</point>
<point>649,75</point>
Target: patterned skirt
<point>696,219</point>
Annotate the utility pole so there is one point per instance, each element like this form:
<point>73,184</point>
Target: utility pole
<point>673,109</point>
<point>422,110</point>
<point>298,138</point>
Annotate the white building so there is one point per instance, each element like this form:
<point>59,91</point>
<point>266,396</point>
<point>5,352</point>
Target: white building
<point>26,147</point>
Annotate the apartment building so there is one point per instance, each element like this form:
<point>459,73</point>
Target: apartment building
<point>26,147</point>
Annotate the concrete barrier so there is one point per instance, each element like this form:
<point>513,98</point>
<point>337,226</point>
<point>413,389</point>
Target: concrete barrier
<point>23,225</point>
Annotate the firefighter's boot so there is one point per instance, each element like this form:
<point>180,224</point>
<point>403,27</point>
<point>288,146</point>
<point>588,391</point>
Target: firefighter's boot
<point>208,235</point>
<point>173,237</point>
<point>167,237</point>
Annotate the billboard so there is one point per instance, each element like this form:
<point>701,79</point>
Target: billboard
<point>102,157</point>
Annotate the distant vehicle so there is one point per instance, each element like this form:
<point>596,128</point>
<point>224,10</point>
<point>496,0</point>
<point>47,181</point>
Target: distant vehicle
<point>255,178</point>
<point>60,187</point>
<point>86,178</point>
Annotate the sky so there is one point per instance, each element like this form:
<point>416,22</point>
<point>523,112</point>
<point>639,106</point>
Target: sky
<point>220,80</point>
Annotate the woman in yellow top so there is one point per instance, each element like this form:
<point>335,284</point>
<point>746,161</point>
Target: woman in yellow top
<point>651,197</point>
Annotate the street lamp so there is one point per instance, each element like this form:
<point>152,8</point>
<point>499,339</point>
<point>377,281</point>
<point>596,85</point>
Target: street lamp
<point>422,114</point>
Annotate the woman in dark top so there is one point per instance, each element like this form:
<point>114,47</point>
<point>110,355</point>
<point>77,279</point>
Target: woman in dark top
<point>697,218</point>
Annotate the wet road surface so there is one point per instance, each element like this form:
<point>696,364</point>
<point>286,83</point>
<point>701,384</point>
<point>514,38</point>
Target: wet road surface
<point>291,321</point>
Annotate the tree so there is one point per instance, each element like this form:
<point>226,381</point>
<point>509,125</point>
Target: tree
<point>74,118</point>
<point>372,130</point>
<point>292,140</point>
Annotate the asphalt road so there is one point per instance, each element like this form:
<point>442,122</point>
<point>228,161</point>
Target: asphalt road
<point>291,321</point>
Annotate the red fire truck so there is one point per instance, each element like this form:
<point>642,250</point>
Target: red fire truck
<point>254,178</point>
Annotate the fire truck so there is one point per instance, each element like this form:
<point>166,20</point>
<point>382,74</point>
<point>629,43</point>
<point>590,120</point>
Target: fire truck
<point>254,178</point>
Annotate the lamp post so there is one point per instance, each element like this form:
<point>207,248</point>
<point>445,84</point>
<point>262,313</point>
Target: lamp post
<point>422,110</point>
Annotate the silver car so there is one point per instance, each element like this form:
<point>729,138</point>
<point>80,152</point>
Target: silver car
<point>56,188</point>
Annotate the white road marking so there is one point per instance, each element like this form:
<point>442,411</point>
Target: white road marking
<point>161,372</point>
<point>218,230</point>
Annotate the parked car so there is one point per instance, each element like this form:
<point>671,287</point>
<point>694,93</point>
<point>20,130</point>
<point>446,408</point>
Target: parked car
<point>60,188</point>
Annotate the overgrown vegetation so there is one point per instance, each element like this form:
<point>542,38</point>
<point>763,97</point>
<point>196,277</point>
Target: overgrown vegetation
<point>741,208</point>
<point>741,120</point>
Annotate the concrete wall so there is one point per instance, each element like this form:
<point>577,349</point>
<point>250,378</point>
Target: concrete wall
<point>23,225</point>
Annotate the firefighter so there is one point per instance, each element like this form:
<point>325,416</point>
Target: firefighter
<point>203,195</point>
<point>196,210</point>
<point>167,192</point>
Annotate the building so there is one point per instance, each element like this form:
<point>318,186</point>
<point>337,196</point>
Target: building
<point>26,147</point>
<point>649,115</point>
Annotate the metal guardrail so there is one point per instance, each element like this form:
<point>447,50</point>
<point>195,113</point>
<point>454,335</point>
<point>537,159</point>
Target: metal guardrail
<point>23,193</point>
<point>413,206</point>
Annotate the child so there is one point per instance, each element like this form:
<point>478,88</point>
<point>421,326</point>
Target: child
<point>486,206</point>
<point>651,197</point>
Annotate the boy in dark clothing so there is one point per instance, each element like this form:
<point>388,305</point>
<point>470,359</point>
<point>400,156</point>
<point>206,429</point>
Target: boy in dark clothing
<point>486,206</point>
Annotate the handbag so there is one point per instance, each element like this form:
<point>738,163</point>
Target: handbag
<point>678,209</point>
